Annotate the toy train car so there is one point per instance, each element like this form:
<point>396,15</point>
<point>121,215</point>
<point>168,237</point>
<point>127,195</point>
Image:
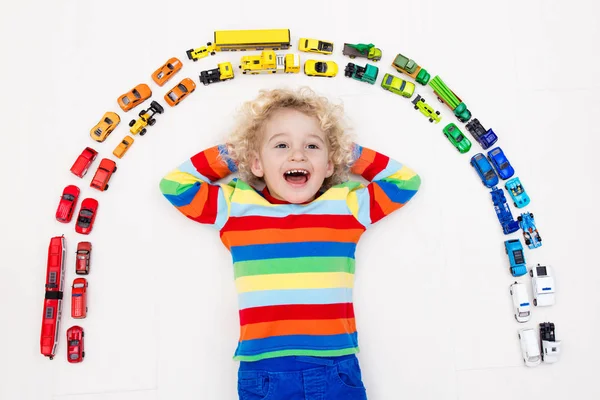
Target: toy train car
<point>55,282</point>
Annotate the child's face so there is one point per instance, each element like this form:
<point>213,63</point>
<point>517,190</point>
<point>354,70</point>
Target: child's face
<point>293,156</point>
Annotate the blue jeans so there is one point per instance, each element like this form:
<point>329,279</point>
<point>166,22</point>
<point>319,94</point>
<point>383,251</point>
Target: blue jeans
<point>301,378</point>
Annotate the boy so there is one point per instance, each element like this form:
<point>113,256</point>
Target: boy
<point>292,242</point>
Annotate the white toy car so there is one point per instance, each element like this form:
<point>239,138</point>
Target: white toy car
<point>550,346</point>
<point>530,348</point>
<point>521,303</point>
<point>543,285</point>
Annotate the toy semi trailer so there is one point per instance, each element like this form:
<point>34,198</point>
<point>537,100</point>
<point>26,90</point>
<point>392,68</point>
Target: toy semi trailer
<point>362,50</point>
<point>270,63</point>
<point>368,73</point>
<point>448,97</point>
<point>409,67</point>
<point>223,72</point>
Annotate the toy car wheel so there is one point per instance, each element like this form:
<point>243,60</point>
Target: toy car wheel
<point>83,352</point>
<point>212,53</point>
<point>106,187</point>
<point>416,108</point>
<point>151,122</point>
<point>83,333</point>
<point>531,273</point>
<point>511,291</point>
<point>430,119</point>
<point>132,122</point>
<point>440,100</point>
<point>519,335</point>
<point>530,215</point>
<point>208,43</point>
<point>527,241</point>
<point>115,169</point>
<point>516,205</point>
<point>535,302</point>
<point>141,113</point>
<point>143,132</point>
<point>437,112</point>
<point>519,218</point>
<point>352,57</point>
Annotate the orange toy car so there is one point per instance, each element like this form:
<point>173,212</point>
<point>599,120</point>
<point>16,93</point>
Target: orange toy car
<point>166,72</point>
<point>122,147</point>
<point>180,92</point>
<point>107,124</point>
<point>135,96</point>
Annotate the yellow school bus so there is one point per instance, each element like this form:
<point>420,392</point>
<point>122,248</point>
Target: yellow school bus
<point>273,39</point>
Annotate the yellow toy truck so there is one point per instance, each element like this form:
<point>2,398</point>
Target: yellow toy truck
<point>270,63</point>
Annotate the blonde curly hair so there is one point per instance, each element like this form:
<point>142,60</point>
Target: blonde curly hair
<point>245,140</point>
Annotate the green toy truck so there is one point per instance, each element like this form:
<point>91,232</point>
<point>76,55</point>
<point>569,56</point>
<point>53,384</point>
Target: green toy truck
<point>362,50</point>
<point>409,67</point>
<point>448,97</point>
<point>368,73</point>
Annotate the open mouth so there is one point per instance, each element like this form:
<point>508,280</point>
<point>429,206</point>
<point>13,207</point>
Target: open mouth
<point>297,176</point>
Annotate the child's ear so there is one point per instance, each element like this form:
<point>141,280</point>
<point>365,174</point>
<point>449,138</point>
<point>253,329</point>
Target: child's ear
<point>256,166</point>
<point>330,168</point>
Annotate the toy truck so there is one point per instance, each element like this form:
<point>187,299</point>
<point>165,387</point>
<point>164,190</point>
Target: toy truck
<point>549,345</point>
<point>223,72</point>
<point>270,63</point>
<point>368,73</point>
<point>368,51</point>
<point>146,118</point>
<point>409,67</point>
<point>448,97</point>
<point>505,217</point>
<point>483,137</point>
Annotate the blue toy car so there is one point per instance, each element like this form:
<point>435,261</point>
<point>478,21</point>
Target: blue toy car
<point>517,192</point>
<point>485,138</point>
<point>530,232</point>
<point>500,163</point>
<point>509,225</point>
<point>514,249</point>
<point>485,170</point>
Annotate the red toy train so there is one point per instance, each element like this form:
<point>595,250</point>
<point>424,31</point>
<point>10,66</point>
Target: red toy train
<point>55,282</point>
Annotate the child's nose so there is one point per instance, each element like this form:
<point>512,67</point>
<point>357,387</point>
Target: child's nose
<point>297,155</point>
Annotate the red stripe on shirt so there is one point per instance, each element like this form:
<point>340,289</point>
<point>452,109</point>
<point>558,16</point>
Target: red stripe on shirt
<point>295,312</point>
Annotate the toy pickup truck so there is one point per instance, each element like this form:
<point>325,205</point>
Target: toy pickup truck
<point>270,63</point>
<point>368,73</point>
<point>483,137</point>
<point>409,67</point>
<point>362,50</point>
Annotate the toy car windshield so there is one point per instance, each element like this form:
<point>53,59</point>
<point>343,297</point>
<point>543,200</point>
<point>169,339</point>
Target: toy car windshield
<point>389,80</point>
<point>78,285</point>
<point>69,197</point>
<point>172,96</point>
<point>489,175</point>
<point>74,342</point>
<point>325,46</point>
<point>518,255</point>
<point>541,271</point>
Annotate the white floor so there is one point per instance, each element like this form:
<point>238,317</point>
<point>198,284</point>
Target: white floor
<point>431,292</point>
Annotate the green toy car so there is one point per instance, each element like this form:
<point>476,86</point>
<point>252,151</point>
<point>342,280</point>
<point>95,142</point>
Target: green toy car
<point>426,109</point>
<point>409,67</point>
<point>397,85</point>
<point>456,137</point>
<point>368,73</point>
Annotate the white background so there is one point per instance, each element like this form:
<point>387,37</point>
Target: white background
<point>431,294</point>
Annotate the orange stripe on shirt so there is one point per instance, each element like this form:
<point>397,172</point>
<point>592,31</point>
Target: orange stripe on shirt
<point>297,327</point>
<point>386,205</point>
<point>268,236</point>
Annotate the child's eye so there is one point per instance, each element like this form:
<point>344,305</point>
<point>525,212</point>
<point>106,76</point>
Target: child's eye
<point>280,146</point>
<point>312,146</point>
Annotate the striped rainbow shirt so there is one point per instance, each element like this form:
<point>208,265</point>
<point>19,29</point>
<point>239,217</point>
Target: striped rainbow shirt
<point>294,263</point>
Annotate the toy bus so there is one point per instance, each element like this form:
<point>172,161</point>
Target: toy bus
<point>55,281</point>
<point>448,97</point>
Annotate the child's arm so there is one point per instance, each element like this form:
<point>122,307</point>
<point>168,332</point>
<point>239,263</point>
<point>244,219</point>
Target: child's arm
<point>392,186</point>
<point>189,187</point>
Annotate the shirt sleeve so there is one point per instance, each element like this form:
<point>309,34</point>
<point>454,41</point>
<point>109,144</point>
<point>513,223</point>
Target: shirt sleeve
<point>190,187</point>
<point>391,186</point>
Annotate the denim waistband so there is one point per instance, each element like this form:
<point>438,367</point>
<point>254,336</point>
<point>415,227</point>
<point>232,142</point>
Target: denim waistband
<point>292,363</point>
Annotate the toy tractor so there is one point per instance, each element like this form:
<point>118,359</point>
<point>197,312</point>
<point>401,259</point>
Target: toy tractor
<point>146,118</point>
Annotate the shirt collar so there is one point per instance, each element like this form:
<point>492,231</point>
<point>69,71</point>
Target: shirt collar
<point>274,200</point>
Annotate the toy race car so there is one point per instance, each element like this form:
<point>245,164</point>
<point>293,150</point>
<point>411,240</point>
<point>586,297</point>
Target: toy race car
<point>484,170</point>
<point>520,299</point>
<point>135,96</point>
<point>83,258</point>
<point>87,216</point>
<point>145,119</point>
<point>516,257</point>
<point>426,109</point>
<point>200,52</point>
<point>517,192</point>
<point>315,46</point>
<point>103,129</point>
<point>549,345</point>
<point>368,51</point>
<point>542,284</point>
<point>530,232</point>
<point>328,69</point>
<point>505,217</point>
<point>182,90</point>
<point>500,163</point>
<point>530,348</point>
<point>103,174</point>
<point>398,86</point>
<point>368,73</point>
<point>167,71</point>
<point>223,72</point>
<point>456,137</point>
<point>83,162</point>
<point>79,298</point>
<point>483,137</point>
<point>67,203</point>
<point>75,351</point>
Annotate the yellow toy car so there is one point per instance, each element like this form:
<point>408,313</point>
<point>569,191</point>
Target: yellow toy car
<point>122,147</point>
<point>107,124</point>
<point>320,68</point>
<point>315,46</point>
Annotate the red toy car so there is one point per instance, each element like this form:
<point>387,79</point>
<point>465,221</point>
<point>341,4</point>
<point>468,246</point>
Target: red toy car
<point>83,162</point>
<point>67,204</point>
<point>79,298</point>
<point>87,216</point>
<point>83,257</point>
<point>105,170</point>
<point>55,279</point>
<point>75,352</point>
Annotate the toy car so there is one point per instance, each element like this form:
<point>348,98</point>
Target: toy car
<point>484,170</point>
<point>75,351</point>
<point>530,232</point>
<point>483,137</point>
<point>87,216</point>
<point>516,257</point>
<point>146,117</point>
<point>368,73</point>
<point>520,299</point>
<point>550,347</point>
<point>200,52</point>
<point>397,85</point>
<point>315,46</point>
<point>409,67</point>
<point>542,283</point>
<point>320,68</point>
<point>122,147</point>
<point>530,348</point>
<point>517,192</point>
<point>67,203</point>
<point>426,109</point>
<point>500,163</point>
<point>83,258</point>
<point>79,298</point>
<point>223,72</point>
<point>456,137</point>
<point>105,170</point>
<point>135,96</point>
<point>505,217</point>
<point>167,71</point>
<point>362,50</point>
<point>83,162</point>
<point>182,90</point>
<point>103,129</point>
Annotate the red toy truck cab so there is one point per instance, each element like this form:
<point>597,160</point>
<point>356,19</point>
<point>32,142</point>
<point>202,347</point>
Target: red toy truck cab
<point>79,298</point>
<point>105,170</point>
<point>75,351</point>
<point>67,203</point>
<point>83,258</point>
<point>55,279</point>
<point>83,162</point>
